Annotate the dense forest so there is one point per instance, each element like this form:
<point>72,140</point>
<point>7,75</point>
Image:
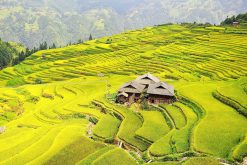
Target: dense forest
<point>13,53</point>
<point>8,54</point>
<point>242,18</point>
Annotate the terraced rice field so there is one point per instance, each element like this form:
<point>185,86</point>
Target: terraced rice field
<point>71,118</point>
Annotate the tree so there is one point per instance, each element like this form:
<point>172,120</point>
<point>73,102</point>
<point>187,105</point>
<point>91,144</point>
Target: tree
<point>7,54</point>
<point>45,45</point>
<point>90,37</point>
<point>108,41</point>
<point>15,61</point>
<point>28,52</point>
<point>41,46</point>
<point>53,46</point>
<point>22,56</point>
<point>239,18</point>
<point>38,81</point>
<point>79,41</point>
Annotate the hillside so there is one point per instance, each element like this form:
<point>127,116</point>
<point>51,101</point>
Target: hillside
<point>66,95</point>
<point>9,53</point>
<point>60,22</point>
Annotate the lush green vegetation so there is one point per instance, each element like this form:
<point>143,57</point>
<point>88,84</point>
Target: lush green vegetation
<point>241,18</point>
<point>66,98</point>
<point>116,156</point>
<point>201,161</point>
<point>9,53</point>
<point>92,157</point>
<point>107,128</point>
<point>13,53</point>
<point>154,126</point>
<point>74,152</point>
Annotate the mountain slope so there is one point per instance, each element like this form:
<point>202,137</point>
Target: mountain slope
<point>60,21</point>
<point>64,92</point>
<point>9,53</point>
<point>165,45</point>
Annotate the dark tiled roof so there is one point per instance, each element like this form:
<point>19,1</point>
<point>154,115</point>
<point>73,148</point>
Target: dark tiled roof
<point>155,86</point>
<point>161,88</point>
<point>132,87</point>
<point>147,79</point>
<point>123,94</point>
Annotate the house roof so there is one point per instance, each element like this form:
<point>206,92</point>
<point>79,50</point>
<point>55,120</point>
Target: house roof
<point>147,79</point>
<point>132,87</point>
<point>123,94</point>
<point>161,88</point>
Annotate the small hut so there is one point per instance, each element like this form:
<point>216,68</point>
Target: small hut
<point>236,24</point>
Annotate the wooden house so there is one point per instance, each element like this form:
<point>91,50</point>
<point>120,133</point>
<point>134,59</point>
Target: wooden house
<point>149,86</point>
<point>160,93</point>
<point>236,24</point>
<point>130,92</point>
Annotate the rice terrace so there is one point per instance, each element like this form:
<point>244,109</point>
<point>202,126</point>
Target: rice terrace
<point>59,106</point>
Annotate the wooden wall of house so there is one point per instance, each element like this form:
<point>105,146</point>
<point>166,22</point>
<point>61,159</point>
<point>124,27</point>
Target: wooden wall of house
<point>159,99</point>
<point>122,99</point>
<point>153,99</point>
<point>130,99</point>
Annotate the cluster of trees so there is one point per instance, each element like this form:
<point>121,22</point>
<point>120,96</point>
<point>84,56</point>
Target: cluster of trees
<point>7,53</point>
<point>10,56</point>
<point>24,54</point>
<point>80,41</point>
<point>239,18</point>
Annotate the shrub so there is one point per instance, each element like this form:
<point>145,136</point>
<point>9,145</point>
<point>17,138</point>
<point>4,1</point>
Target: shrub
<point>93,120</point>
<point>112,97</point>
<point>108,41</point>
<point>144,105</point>
<point>78,115</point>
<point>48,96</point>
<point>110,140</point>
<point>38,81</point>
<point>189,154</point>
<point>33,99</point>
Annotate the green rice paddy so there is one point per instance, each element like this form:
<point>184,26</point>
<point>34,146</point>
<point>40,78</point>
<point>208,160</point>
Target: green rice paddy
<point>70,117</point>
